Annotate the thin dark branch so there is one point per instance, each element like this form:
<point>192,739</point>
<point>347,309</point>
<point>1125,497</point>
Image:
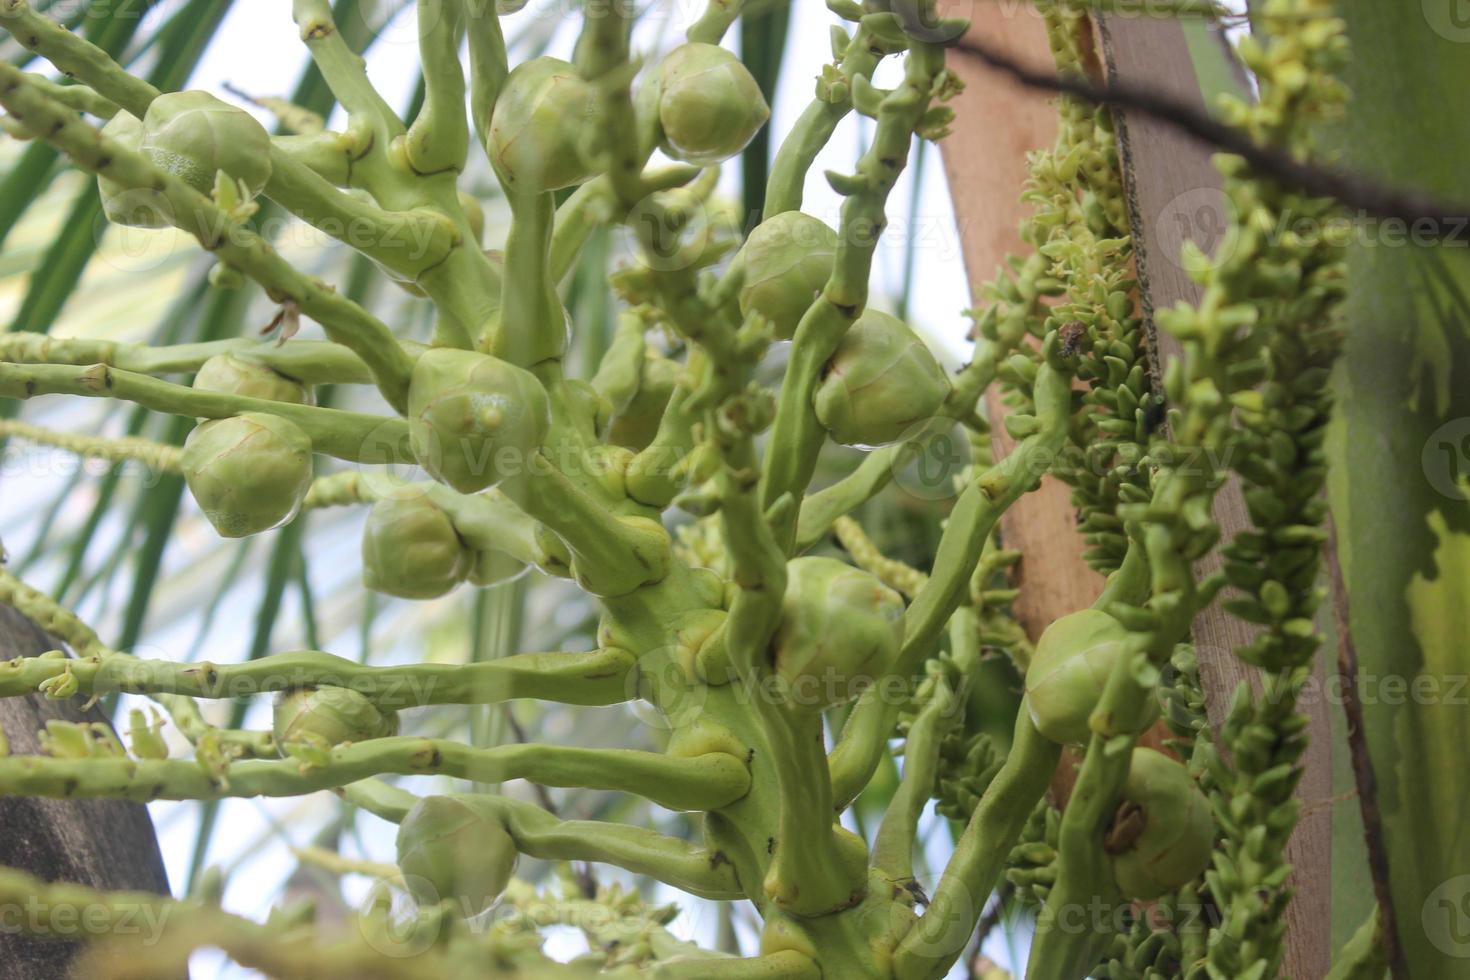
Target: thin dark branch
<point>1363,775</point>
<point>1450,221</point>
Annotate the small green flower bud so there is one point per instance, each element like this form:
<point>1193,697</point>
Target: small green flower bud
<point>248,473</point>
<point>541,127</point>
<point>410,549</point>
<point>473,417</point>
<point>329,716</point>
<point>125,205</point>
<point>881,382</point>
<point>840,629</point>
<point>1068,671</point>
<point>636,425</point>
<point>788,259</point>
<point>194,136</point>
<point>451,849</point>
<point>709,105</point>
<point>232,375</point>
<point>1164,834</point>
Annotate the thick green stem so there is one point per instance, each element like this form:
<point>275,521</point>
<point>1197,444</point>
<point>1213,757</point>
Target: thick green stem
<point>704,782</point>
<point>599,677</point>
<point>351,436</point>
<point>942,934</point>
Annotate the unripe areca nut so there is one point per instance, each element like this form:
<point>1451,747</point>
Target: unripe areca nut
<point>195,136</point>
<point>133,207</point>
<point>329,716</point>
<point>1164,828</point>
<point>248,473</point>
<point>840,628</point>
<point>709,105</point>
<point>232,375</point>
<point>472,417</point>
<point>788,259</point>
<point>542,126</point>
<point>881,382</point>
<point>451,849</point>
<point>410,549</point>
<point>1069,670</point>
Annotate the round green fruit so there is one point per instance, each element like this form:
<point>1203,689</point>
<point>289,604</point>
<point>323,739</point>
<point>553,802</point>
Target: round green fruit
<point>329,716</point>
<point>248,473</point>
<point>450,849</point>
<point>195,136</point>
<point>881,383</point>
<point>473,418</point>
<point>709,105</point>
<point>232,375</point>
<point>1164,835</point>
<point>788,259</point>
<point>1069,670</point>
<point>411,549</point>
<point>840,630</point>
<point>543,127</point>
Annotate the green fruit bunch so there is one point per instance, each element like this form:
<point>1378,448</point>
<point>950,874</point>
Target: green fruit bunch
<point>450,849</point>
<point>1164,834</point>
<point>708,105</point>
<point>411,549</point>
<point>473,418</point>
<point>195,136</point>
<point>880,384</point>
<point>1068,671</point>
<point>788,259</point>
<point>248,473</point>
<point>329,716</point>
<point>543,130</point>
<point>840,628</point>
<point>228,374</point>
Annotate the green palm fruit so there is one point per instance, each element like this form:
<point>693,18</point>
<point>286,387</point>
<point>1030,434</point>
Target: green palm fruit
<point>133,207</point>
<point>840,629</point>
<point>1163,835</point>
<point>248,473</point>
<point>451,849</point>
<point>410,549</point>
<point>232,375</point>
<point>1068,671</point>
<point>474,418</point>
<point>881,382</point>
<point>194,136</point>
<point>709,105</point>
<point>541,126</point>
<point>788,259</point>
<point>636,425</point>
<point>329,716</point>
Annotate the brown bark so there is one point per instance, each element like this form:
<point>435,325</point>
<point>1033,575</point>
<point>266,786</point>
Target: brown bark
<point>102,843</point>
<point>1174,192</point>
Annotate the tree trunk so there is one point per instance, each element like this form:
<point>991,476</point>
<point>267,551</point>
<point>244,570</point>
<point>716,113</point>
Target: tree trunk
<point>105,844</point>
